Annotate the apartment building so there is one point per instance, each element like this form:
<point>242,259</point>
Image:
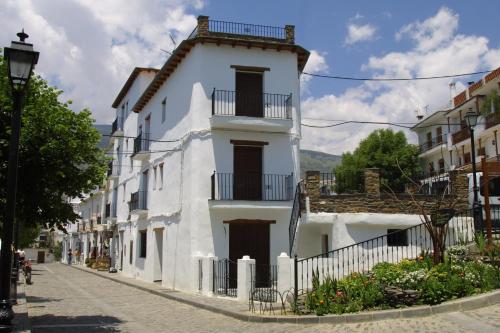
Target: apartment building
<point>206,155</point>
<point>444,138</point>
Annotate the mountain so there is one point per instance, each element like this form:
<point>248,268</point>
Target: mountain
<point>311,160</point>
<point>105,131</point>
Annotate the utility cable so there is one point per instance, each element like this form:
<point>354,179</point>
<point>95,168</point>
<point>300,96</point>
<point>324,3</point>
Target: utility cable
<point>335,77</point>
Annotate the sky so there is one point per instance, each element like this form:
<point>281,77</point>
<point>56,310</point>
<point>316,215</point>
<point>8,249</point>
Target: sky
<point>89,47</point>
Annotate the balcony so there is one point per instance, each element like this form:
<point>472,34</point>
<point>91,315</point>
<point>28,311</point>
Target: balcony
<point>110,212</point>
<point>141,147</point>
<point>262,112</point>
<point>213,28</point>
<point>435,142</point>
<point>460,135</point>
<point>251,186</point>
<point>112,171</point>
<point>138,203</point>
<point>491,120</point>
<point>117,127</point>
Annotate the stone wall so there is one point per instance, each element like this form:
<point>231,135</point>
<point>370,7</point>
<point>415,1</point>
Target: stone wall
<point>374,201</point>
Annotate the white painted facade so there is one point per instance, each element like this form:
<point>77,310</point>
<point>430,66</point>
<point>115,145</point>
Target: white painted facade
<point>449,150</point>
<point>181,221</point>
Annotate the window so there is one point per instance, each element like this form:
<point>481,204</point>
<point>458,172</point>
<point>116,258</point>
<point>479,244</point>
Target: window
<point>163,110</point>
<point>493,186</point>
<point>324,244</point>
<point>126,107</point>
<point>441,165</point>
<point>439,135</point>
<point>466,158</point>
<point>131,252</point>
<point>143,239</point>
<point>124,191</point>
<point>397,237</point>
<point>160,186</point>
<point>154,178</point>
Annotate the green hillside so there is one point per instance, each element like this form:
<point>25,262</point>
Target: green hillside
<point>317,161</point>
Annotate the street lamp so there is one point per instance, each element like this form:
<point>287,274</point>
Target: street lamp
<point>21,58</point>
<point>471,121</point>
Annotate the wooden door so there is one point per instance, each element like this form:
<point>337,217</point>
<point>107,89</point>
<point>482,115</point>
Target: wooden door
<point>247,183</point>
<point>249,95</point>
<point>250,238</point>
<point>40,258</point>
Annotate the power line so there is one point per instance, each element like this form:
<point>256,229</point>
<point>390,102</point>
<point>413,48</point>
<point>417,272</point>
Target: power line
<point>394,79</point>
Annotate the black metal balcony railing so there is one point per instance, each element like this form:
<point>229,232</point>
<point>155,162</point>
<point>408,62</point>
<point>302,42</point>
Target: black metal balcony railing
<point>117,125</point>
<point>460,135</point>
<point>138,201</point>
<point>252,186</point>
<point>491,120</point>
<point>436,141</point>
<point>245,29</point>
<point>141,143</point>
<point>234,103</point>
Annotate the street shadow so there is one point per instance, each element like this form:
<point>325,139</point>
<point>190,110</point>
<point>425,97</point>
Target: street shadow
<point>52,323</point>
<point>36,299</point>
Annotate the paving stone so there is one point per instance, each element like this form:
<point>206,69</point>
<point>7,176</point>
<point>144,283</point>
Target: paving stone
<point>63,299</point>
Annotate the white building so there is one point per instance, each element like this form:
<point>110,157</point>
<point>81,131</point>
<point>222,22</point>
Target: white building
<point>444,138</point>
<point>206,155</point>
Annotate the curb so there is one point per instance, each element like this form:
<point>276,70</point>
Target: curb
<point>21,322</point>
<point>463,304</point>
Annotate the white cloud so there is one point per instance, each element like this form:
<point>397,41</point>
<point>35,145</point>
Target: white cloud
<point>432,32</point>
<point>359,33</point>
<point>315,64</point>
<point>437,50</point>
<point>89,47</point>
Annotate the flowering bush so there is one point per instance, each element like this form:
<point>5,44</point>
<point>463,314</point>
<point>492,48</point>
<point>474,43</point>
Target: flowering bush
<point>432,283</point>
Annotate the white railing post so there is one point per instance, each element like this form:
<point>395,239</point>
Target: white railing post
<point>245,278</point>
<point>285,278</point>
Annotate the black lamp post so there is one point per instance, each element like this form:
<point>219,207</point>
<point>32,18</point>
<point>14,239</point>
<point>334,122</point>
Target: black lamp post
<point>21,58</point>
<point>471,121</point>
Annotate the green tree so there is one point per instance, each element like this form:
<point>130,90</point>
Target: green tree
<point>58,157</point>
<point>384,149</point>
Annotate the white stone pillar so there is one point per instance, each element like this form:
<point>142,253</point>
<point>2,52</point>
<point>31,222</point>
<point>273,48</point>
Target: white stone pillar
<point>285,273</point>
<point>208,274</point>
<point>245,278</point>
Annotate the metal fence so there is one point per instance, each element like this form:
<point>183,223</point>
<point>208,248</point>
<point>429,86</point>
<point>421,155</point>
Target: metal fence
<point>141,143</point>
<point>244,29</point>
<point>392,247</point>
<point>251,186</point>
<point>235,103</point>
<point>342,183</point>
<point>264,283</point>
<point>225,277</point>
<point>430,184</point>
<point>138,201</point>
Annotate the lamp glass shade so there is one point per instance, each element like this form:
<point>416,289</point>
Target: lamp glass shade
<point>471,119</point>
<point>20,60</point>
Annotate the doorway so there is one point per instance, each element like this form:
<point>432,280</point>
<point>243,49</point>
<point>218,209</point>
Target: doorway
<point>249,97</point>
<point>247,166</point>
<point>158,255</point>
<point>252,238</point>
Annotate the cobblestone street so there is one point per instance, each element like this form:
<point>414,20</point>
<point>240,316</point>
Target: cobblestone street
<point>63,299</point>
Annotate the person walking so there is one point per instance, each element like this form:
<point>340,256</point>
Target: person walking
<point>70,255</point>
